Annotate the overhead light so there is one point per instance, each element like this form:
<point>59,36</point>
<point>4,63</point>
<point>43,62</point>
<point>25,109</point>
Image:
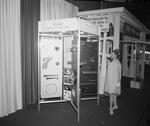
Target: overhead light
<point>60,33</point>
<point>88,39</point>
<point>63,31</point>
<point>94,40</point>
<point>81,32</point>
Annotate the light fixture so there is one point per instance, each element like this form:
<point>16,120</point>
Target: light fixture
<point>81,32</point>
<point>63,31</point>
<point>60,33</point>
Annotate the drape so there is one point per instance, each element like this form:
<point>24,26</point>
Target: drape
<point>88,4</point>
<point>10,57</point>
<point>57,9</point>
<point>30,13</point>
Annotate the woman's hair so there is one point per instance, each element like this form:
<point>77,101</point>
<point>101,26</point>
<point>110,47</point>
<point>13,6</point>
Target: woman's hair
<point>117,53</point>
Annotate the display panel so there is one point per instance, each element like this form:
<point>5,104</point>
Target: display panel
<point>51,67</point>
<point>74,92</point>
<point>67,80</point>
<point>70,85</point>
<point>88,68</point>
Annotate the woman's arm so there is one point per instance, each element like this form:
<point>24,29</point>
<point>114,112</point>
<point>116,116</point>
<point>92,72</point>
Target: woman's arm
<point>119,75</point>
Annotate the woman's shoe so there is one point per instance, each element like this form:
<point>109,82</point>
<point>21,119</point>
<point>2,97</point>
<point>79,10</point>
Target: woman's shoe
<point>111,112</point>
<point>116,107</point>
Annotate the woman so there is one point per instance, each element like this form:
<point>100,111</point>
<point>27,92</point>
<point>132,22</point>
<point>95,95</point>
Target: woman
<point>113,79</point>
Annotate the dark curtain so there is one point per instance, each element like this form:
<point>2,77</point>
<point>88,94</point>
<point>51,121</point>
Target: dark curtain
<point>87,5</point>
<point>30,15</point>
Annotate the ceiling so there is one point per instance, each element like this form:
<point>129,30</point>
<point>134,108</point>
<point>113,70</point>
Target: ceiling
<point>140,10</point>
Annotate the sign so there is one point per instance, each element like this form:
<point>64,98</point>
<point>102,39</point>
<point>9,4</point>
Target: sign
<point>89,27</point>
<point>101,20</point>
<point>131,31</point>
<point>70,24</point>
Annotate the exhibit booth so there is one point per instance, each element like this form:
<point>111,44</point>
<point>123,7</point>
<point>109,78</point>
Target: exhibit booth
<point>73,54</point>
<point>120,30</point>
<point>68,61</point>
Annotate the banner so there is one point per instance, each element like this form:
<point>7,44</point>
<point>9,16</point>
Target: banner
<point>89,27</point>
<point>101,20</point>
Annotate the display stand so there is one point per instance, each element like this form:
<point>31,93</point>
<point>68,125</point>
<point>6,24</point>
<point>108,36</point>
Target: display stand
<point>134,58</point>
<point>112,22</point>
<point>59,48</point>
<point>109,23</point>
<point>133,54</point>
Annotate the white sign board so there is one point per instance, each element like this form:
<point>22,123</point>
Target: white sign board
<point>101,20</point>
<point>89,27</point>
<point>69,24</point>
<point>51,68</point>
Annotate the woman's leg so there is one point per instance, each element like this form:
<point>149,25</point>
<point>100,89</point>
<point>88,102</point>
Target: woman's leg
<point>115,101</point>
<point>111,101</point>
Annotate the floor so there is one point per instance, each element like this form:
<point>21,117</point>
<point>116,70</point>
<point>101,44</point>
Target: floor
<point>133,110</point>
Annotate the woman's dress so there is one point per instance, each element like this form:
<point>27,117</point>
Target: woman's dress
<point>113,76</point>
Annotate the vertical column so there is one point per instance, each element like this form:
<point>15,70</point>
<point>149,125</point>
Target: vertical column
<point>132,62</point>
<point>143,38</point>
<point>116,31</point>
<point>143,61</point>
<point>103,66</point>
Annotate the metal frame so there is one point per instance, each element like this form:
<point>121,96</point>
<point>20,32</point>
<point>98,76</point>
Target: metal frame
<point>135,44</point>
<point>78,66</point>
<point>121,15</point>
<point>123,12</point>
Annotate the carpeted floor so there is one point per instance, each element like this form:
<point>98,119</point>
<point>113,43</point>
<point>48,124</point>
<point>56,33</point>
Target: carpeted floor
<point>133,111</point>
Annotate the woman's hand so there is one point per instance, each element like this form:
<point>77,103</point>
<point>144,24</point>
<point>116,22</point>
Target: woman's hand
<point>118,84</point>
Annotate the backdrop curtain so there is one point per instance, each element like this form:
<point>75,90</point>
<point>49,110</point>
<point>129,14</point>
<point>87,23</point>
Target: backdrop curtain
<point>30,13</point>
<point>57,9</point>
<point>10,57</point>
